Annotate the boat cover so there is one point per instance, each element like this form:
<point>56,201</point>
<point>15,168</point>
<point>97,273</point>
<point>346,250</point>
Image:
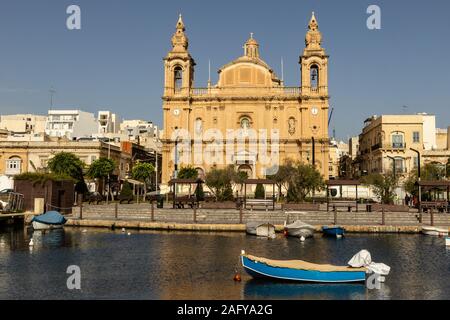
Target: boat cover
<point>364,259</point>
<point>50,217</point>
<point>303,265</point>
<point>299,224</point>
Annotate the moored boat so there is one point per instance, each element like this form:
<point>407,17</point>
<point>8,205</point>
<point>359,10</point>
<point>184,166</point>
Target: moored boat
<point>434,231</point>
<point>48,220</point>
<point>447,241</point>
<point>299,229</point>
<point>297,270</point>
<point>261,229</point>
<point>333,231</point>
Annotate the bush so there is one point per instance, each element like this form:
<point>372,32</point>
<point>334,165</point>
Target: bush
<point>259,191</point>
<point>127,191</point>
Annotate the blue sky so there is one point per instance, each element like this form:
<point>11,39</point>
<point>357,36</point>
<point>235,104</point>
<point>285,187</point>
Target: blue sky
<point>115,61</point>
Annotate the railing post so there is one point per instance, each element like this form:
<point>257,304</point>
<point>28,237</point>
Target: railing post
<point>335,215</point>
<point>153,211</point>
<point>116,211</point>
<point>80,204</point>
<point>431,217</point>
<point>240,214</point>
<point>383,216</point>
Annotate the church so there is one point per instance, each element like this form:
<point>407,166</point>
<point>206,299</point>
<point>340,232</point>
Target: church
<point>249,98</point>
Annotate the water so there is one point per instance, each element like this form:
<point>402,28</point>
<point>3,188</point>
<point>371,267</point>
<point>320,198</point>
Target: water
<point>177,265</point>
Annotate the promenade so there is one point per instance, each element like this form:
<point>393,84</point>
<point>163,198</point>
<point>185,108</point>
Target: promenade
<point>140,216</point>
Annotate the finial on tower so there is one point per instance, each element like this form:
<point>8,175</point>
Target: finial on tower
<point>313,25</point>
<point>180,23</point>
<point>251,47</point>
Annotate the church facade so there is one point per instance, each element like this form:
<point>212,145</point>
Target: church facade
<point>251,105</point>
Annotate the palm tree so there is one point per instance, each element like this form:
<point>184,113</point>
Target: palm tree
<point>142,172</point>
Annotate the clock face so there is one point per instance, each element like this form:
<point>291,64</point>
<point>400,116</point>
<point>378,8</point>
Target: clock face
<point>176,112</point>
<point>314,111</point>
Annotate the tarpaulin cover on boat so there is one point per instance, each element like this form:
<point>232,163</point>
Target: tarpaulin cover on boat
<point>303,265</point>
<point>364,259</point>
<point>50,217</point>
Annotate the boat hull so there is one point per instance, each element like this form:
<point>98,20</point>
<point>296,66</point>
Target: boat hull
<point>333,231</point>
<point>261,230</point>
<point>262,270</point>
<point>299,229</point>
<point>436,232</point>
<point>44,226</point>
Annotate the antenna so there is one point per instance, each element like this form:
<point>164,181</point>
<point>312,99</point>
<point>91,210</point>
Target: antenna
<point>282,69</point>
<point>405,108</point>
<point>52,93</point>
<point>209,72</point>
<point>331,114</point>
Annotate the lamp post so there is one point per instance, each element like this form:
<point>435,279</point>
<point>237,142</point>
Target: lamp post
<point>418,179</point>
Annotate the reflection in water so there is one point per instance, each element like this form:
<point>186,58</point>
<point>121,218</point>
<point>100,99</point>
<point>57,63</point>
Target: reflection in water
<point>184,265</point>
<point>259,289</point>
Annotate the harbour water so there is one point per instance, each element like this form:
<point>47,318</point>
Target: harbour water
<point>182,265</point>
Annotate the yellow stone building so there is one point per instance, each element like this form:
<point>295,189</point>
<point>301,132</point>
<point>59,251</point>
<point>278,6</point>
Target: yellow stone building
<point>247,98</point>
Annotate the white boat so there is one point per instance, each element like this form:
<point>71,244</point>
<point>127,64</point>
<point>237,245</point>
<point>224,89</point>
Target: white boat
<point>434,231</point>
<point>261,229</point>
<point>299,229</point>
<point>48,220</point>
<point>447,241</point>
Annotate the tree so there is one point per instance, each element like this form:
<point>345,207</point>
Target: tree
<point>100,169</point>
<point>259,191</point>
<point>219,181</point>
<point>282,176</point>
<point>384,186</point>
<point>68,164</point>
<point>188,173</point>
<point>143,171</point>
<point>65,163</point>
<point>303,181</point>
<point>127,191</point>
<point>447,168</point>
<point>239,177</point>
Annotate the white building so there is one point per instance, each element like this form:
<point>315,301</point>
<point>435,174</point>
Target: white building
<point>139,128</point>
<point>108,122</point>
<point>23,123</point>
<point>70,123</point>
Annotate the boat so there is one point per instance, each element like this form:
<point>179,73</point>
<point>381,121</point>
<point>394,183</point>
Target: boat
<point>447,241</point>
<point>333,231</point>
<point>299,229</point>
<point>434,231</point>
<point>297,270</point>
<point>261,229</point>
<point>48,220</point>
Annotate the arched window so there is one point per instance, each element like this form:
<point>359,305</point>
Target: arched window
<point>198,125</point>
<point>314,76</point>
<point>13,165</point>
<point>178,78</point>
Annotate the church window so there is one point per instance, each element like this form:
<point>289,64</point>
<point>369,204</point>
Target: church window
<point>314,77</point>
<point>178,78</point>
<point>245,123</point>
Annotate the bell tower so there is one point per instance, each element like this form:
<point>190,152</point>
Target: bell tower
<point>178,64</point>
<point>314,63</point>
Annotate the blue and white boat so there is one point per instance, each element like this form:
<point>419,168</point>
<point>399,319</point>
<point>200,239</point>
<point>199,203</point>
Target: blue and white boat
<point>333,231</point>
<point>48,220</point>
<point>297,270</point>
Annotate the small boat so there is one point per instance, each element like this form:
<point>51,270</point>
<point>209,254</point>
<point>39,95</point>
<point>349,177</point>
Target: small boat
<point>333,231</point>
<point>297,270</point>
<point>447,241</point>
<point>261,229</point>
<point>48,220</point>
<point>299,229</point>
<point>434,231</point>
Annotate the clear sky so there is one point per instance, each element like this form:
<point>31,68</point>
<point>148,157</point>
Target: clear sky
<point>115,61</point>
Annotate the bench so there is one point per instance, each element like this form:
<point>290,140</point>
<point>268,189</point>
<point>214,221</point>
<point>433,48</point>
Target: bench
<point>260,203</point>
<point>342,204</point>
<point>441,206</point>
<point>301,206</point>
<point>180,202</point>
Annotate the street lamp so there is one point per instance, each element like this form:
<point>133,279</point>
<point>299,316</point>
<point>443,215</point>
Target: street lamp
<point>418,179</point>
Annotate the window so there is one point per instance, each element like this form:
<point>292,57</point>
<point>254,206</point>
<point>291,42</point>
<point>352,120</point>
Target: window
<point>399,165</point>
<point>13,165</point>
<point>416,137</point>
<point>397,141</point>
<point>416,162</point>
<point>178,76</point>
<point>245,123</point>
<point>314,77</point>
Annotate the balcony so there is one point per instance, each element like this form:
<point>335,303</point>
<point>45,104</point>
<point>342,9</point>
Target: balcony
<point>395,146</point>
